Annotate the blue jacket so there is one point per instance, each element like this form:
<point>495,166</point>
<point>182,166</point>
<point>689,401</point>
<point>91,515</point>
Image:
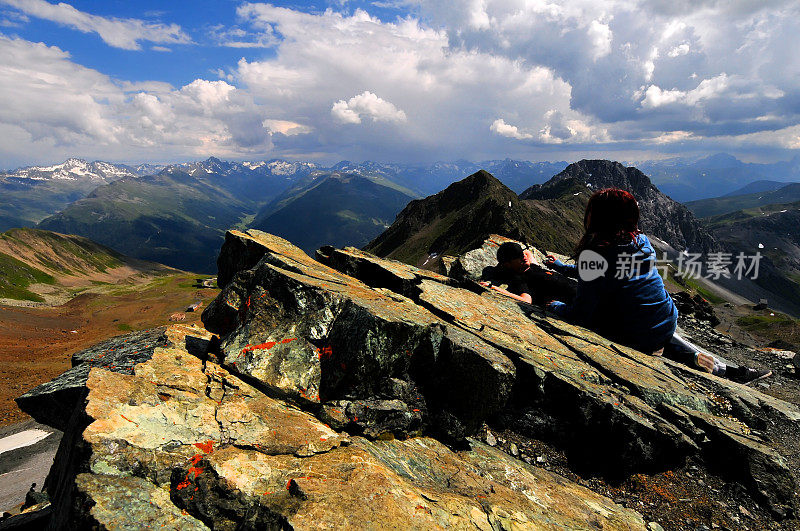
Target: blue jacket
<point>634,309</point>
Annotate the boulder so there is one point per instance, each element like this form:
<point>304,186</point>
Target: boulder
<point>184,444</point>
<point>309,333</point>
<point>52,402</point>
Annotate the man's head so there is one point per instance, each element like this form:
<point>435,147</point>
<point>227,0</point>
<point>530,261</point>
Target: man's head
<point>510,256</point>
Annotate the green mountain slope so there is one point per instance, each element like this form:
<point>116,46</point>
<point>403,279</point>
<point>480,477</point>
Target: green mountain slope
<point>773,231</point>
<point>727,204</point>
<point>172,218</point>
<point>334,209</point>
<point>34,256</point>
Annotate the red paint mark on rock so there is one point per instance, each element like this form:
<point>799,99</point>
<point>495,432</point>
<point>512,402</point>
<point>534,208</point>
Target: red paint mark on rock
<point>207,447</point>
<point>266,346</point>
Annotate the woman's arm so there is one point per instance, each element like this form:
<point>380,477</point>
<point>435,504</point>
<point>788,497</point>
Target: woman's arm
<point>569,270</point>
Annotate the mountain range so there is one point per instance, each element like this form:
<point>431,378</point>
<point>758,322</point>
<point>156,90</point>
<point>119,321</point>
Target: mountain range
<point>786,193</point>
<point>178,216</point>
<point>689,180</point>
<point>549,216</point>
<point>31,194</point>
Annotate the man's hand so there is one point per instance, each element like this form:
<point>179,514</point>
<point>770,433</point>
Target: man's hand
<point>550,260</point>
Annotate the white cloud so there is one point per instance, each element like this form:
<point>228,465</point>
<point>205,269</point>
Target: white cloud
<point>500,127</point>
<point>237,37</point>
<point>708,88</point>
<point>368,105</point>
<point>672,137</point>
<point>116,32</point>
<point>439,93</point>
<point>601,37</point>
<point>681,49</point>
<point>560,129</point>
<point>285,127</point>
<point>12,19</point>
<point>456,78</point>
<point>52,105</point>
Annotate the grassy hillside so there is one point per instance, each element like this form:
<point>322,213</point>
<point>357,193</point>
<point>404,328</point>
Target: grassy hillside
<point>335,210</point>
<point>727,204</point>
<point>24,205</point>
<point>773,231</point>
<point>65,263</point>
<point>460,217</point>
<point>16,276</point>
<point>171,218</point>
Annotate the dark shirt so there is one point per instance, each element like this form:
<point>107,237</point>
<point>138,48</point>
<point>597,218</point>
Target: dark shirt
<point>543,286</point>
<point>634,309</point>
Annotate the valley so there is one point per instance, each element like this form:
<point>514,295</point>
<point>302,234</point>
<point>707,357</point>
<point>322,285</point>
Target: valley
<point>60,294</point>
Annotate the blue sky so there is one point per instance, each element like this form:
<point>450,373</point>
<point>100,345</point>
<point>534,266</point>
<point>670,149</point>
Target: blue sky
<point>398,80</point>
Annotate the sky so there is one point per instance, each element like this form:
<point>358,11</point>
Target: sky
<point>398,80</point>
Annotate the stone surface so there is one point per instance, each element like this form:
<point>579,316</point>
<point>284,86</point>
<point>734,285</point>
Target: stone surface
<point>310,333</point>
<point>328,396</point>
<point>472,264</point>
<point>52,402</point>
<point>184,444</point>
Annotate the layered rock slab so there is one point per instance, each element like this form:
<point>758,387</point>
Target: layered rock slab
<point>242,460</point>
<point>432,359</point>
<point>52,402</point>
<point>574,385</point>
<point>310,333</point>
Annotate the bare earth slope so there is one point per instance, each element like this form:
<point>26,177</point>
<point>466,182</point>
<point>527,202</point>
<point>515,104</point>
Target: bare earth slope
<point>60,294</point>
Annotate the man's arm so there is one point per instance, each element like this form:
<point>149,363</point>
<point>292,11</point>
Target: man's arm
<point>522,297</point>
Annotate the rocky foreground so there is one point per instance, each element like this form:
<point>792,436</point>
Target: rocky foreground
<point>349,392</point>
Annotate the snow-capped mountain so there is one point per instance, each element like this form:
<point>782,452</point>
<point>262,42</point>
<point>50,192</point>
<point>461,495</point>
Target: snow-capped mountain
<point>72,170</point>
<point>274,167</point>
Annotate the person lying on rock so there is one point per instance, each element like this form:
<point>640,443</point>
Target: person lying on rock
<point>526,281</point>
<point>620,292</point>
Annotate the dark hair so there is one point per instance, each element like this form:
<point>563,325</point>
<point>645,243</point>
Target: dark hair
<point>509,251</point>
<point>611,218</point>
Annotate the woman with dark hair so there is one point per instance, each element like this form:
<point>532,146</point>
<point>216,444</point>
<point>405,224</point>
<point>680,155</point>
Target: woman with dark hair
<point>628,302</point>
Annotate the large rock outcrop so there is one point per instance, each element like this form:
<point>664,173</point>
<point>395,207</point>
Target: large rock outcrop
<point>335,383</point>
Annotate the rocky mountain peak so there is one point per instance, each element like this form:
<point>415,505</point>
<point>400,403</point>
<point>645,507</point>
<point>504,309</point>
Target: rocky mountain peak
<point>660,215</point>
<point>436,225</point>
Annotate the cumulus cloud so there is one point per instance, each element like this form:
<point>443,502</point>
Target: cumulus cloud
<point>237,37</point>
<point>53,105</point>
<point>708,88</point>
<point>367,105</point>
<point>500,127</point>
<point>441,101</point>
<point>116,32</point>
<point>719,60</point>
<point>455,78</point>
